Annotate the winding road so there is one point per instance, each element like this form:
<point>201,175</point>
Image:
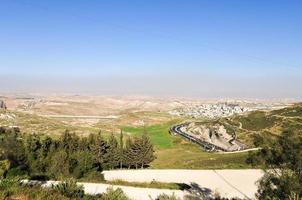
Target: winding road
<point>203,144</point>
<point>176,129</point>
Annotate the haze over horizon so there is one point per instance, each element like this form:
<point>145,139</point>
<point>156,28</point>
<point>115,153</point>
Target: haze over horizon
<point>209,49</point>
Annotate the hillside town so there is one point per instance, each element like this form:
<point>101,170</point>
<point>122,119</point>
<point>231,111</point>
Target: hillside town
<point>210,110</point>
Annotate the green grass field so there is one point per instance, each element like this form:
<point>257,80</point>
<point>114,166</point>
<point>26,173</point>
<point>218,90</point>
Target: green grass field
<point>175,153</point>
<point>159,134</point>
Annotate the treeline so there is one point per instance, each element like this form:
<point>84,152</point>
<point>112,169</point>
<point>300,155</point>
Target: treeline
<point>71,155</point>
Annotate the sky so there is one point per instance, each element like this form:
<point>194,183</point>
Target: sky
<point>189,48</point>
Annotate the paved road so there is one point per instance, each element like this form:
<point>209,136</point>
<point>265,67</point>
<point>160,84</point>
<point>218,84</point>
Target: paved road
<point>228,183</point>
<point>204,145</point>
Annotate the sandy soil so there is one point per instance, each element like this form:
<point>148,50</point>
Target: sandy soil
<point>228,183</point>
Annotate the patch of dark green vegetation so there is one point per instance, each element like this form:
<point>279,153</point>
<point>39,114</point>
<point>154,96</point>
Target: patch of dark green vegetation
<point>43,157</point>
<point>257,121</point>
<point>280,158</point>
<point>294,111</point>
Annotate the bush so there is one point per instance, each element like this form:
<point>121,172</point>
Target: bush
<point>16,172</point>
<point>94,176</point>
<point>38,193</point>
<point>111,194</point>
<point>8,187</point>
<point>167,197</point>
<point>4,167</point>
<point>70,189</point>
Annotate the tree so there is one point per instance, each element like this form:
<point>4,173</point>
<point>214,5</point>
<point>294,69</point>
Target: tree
<point>121,150</point>
<point>128,156</point>
<point>69,142</point>
<point>99,148</point>
<point>113,152</point>
<point>12,149</point>
<point>147,151</point>
<point>46,146</point>
<point>59,166</point>
<point>282,164</point>
<point>32,147</point>
<point>139,151</point>
<point>85,163</point>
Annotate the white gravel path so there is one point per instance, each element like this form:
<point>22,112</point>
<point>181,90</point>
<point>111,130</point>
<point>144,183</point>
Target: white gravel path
<point>228,183</point>
<point>134,193</point>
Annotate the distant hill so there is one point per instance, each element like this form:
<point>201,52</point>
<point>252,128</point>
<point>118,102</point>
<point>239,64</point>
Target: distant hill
<point>263,122</point>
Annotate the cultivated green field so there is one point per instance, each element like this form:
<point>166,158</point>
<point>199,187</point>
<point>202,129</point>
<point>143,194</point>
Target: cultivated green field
<point>175,153</point>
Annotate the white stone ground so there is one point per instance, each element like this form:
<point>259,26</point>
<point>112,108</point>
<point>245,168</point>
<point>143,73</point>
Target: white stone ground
<point>228,183</point>
<point>134,193</point>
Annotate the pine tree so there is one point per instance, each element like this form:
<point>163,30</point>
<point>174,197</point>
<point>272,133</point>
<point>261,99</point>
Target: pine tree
<point>46,145</point>
<point>128,157</point>
<point>100,151</point>
<point>14,150</point>
<point>32,145</point>
<point>147,151</point>
<point>121,150</point>
<point>70,142</point>
<point>113,152</point>
<point>134,152</point>
<point>59,167</point>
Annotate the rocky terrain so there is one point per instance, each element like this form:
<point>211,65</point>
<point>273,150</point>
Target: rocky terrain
<point>216,135</point>
<point>114,111</point>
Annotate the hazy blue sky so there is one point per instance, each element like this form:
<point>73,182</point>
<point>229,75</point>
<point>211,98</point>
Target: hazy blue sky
<point>213,48</point>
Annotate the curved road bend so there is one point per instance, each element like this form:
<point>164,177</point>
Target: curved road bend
<point>205,145</point>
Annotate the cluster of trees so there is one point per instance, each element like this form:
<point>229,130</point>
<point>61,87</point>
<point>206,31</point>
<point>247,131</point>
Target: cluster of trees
<point>70,155</point>
<point>281,160</point>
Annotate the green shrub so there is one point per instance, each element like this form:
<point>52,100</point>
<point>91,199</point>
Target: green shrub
<point>111,194</point>
<point>4,167</point>
<point>8,183</point>
<point>38,193</point>
<point>70,189</point>
<point>16,172</point>
<point>167,197</point>
<point>8,187</point>
<point>94,176</point>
